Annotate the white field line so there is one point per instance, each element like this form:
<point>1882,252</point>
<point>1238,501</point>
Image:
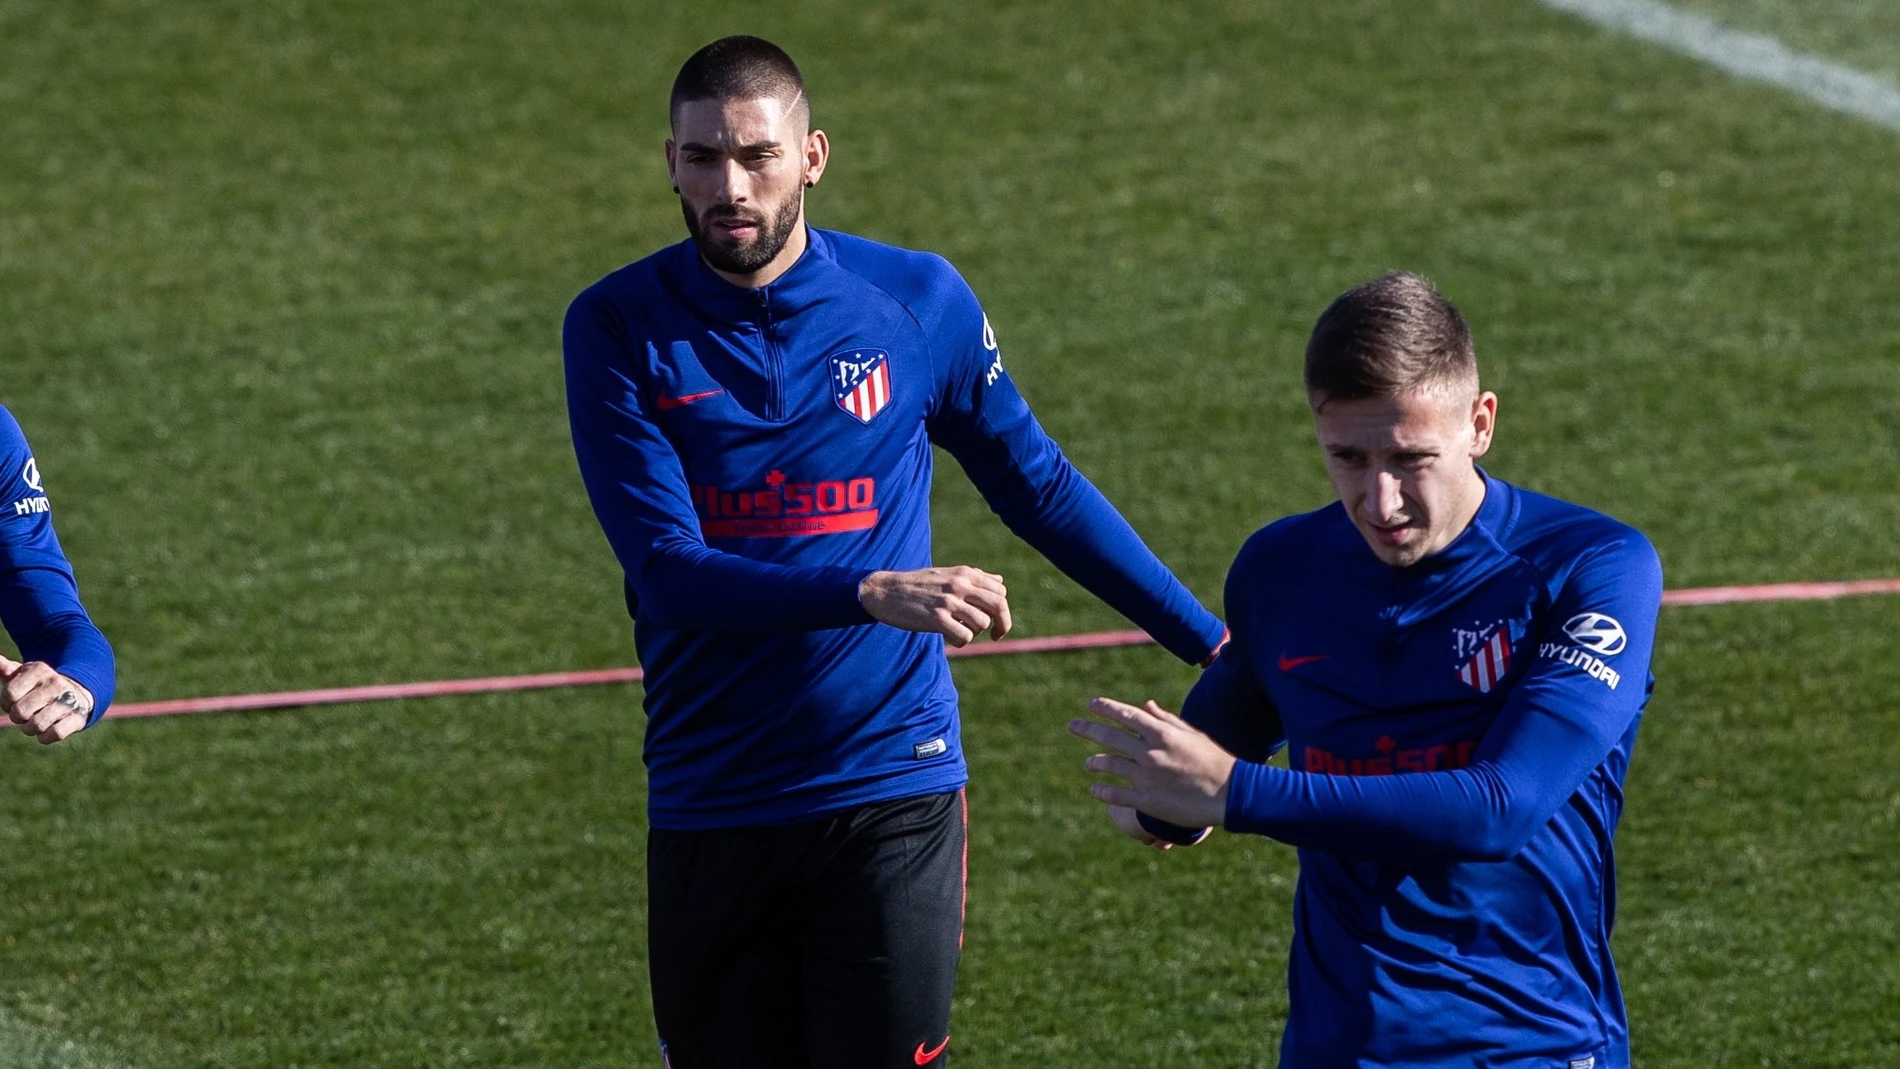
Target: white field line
<point>1746,55</point>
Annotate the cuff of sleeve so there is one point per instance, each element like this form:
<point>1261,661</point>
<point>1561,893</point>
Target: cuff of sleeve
<point>1178,834</point>
<point>843,606</point>
<point>1226,636</point>
<point>99,688</point>
<point>1206,634</point>
<point>1248,792</point>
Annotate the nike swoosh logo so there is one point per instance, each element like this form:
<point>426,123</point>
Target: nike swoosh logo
<point>1287,664</point>
<point>925,1057</point>
<point>674,402</point>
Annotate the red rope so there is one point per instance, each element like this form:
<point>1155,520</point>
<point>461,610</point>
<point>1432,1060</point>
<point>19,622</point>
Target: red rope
<point>1714,595</point>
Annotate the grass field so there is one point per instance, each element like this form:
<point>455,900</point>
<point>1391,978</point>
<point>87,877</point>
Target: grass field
<point>280,293</point>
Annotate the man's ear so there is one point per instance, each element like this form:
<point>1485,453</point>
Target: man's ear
<point>1484,422</point>
<point>672,164</point>
<point>817,154</point>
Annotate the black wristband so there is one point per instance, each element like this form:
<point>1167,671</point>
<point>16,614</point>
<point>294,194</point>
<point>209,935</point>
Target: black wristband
<point>1170,833</point>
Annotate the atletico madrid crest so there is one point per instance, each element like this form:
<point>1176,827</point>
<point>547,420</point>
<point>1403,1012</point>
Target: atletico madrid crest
<point>861,382</point>
<point>1487,666</point>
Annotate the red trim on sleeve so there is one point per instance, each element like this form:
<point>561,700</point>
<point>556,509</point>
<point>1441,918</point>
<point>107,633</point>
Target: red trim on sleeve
<point>1226,635</point>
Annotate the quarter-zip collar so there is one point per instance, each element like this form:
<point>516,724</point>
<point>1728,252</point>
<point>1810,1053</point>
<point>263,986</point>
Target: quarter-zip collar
<point>800,287</point>
<point>1434,584</point>
<point>1481,537</point>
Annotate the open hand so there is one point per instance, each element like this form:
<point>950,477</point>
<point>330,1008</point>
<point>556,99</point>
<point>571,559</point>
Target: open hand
<point>41,702</point>
<point>958,603</point>
<point>1174,771</point>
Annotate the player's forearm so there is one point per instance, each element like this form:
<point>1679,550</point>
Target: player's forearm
<point>697,588</point>
<point>1530,763</point>
<point>1074,526</point>
<point>639,495</point>
<point>1473,814</point>
<point>1039,495</point>
<point>682,583</point>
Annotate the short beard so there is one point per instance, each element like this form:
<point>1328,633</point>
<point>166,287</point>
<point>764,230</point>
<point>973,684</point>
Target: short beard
<point>749,258</point>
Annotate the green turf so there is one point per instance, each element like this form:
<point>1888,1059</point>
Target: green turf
<point>24,1046</point>
<point>280,287</point>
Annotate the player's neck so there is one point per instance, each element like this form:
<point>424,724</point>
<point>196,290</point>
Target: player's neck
<point>795,246</point>
<point>1468,509</point>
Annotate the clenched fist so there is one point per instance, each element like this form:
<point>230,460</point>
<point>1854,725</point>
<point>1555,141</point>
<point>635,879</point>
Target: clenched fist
<point>41,702</point>
<point>958,603</point>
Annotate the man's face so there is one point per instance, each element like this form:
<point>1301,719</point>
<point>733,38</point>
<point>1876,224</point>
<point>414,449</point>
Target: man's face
<point>741,168</point>
<point>1405,466</point>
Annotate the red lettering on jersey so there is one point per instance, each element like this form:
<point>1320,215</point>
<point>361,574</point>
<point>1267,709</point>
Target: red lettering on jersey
<point>1391,761</point>
<point>788,509</point>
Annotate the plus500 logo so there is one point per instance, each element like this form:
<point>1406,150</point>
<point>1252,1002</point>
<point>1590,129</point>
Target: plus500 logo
<point>786,508</point>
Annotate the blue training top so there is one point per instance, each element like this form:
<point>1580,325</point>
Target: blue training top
<point>39,602</point>
<point>752,455</point>
<point>1459,731</point>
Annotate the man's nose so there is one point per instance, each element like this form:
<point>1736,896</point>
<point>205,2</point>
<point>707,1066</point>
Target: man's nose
<point>731,184</point>
<point>1388,500</point>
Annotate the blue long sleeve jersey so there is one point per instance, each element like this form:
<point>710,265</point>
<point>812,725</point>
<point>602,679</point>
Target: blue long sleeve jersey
<point>39,601</point>
<point>753,455</point>
<point>1458,733</point>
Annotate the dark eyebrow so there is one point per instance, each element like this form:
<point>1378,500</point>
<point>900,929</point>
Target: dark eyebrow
<point>760,146</point>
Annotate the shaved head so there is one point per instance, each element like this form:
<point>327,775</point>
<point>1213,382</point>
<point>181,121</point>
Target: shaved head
<point>1396,334</point>
<point>742,67</point>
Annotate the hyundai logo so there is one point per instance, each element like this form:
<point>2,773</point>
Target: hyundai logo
<point>1597,633</point>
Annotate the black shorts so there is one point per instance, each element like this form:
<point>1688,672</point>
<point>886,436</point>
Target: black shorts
<point>831,944</point>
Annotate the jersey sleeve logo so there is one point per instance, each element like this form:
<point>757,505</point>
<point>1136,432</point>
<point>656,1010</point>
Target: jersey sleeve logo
<point>36,501</point>
<point>861,382</point>
<point>1596,636</point>
<point>995,370</point>
<point>1598,633</point>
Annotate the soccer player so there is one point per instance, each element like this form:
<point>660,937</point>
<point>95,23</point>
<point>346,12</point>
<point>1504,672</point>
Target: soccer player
<point>64,678</point>
<point>753,410</point>
<point>1457,666</point>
